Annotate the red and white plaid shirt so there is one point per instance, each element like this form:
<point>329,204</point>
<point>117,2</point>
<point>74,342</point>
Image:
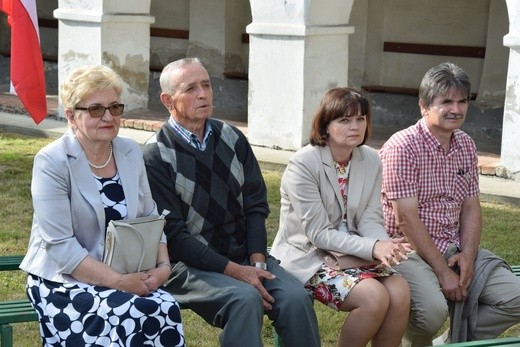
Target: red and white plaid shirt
<point>415,164</point>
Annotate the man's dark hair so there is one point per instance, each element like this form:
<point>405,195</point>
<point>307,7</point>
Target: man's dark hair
<point>440,79</point>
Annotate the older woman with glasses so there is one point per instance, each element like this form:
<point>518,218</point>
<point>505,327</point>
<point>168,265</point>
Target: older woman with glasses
<point>80,182</point>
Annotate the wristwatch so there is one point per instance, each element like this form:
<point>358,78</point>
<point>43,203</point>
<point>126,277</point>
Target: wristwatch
<point>259,265</point>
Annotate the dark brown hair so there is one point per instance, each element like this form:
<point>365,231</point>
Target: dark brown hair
<point>336,103</point>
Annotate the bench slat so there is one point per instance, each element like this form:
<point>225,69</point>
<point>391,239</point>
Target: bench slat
<point>14,303</point>
<point>20,317</point>
<point>506,341</point>
<point>17,311</point>
<point>10,262</point>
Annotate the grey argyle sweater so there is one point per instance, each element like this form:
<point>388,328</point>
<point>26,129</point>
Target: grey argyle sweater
<point>217,197</point>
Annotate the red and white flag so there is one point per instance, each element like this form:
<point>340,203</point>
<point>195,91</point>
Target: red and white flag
<point>27,75</point>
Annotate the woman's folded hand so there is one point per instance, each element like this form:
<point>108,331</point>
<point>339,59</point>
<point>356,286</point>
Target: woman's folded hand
<point>391,252</point>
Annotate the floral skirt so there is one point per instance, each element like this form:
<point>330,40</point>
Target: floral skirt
<point>331,287</point>
<point>86,315</point>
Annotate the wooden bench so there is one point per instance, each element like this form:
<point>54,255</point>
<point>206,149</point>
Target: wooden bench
<point>18,311</point>
<point>13,311</point>
<point>506,341</point>
<point>10,262</point>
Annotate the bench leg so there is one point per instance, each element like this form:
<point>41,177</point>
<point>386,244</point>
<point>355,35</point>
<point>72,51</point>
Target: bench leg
<point>6,335</point>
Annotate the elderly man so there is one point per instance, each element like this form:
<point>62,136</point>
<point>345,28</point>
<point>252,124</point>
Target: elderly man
<point>430,195</point>
<point>204,172</point>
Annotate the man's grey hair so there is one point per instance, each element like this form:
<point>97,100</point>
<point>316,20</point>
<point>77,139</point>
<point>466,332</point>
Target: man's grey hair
<point>167,80</point>
<point>440,79</point>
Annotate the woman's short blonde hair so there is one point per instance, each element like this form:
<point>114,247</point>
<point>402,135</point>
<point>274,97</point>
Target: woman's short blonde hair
<point>84,81</point>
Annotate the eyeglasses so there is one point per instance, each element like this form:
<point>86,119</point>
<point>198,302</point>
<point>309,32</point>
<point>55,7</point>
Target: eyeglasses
<point>97,111</point>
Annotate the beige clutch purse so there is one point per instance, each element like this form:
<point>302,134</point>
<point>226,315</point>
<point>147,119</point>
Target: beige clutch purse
<point>340,261</point>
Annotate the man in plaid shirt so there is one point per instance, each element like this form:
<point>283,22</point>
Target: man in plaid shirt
<point>430,194</point>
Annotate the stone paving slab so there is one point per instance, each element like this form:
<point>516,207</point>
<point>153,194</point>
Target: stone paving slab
<point>152,120</point>
<point>492,188</point>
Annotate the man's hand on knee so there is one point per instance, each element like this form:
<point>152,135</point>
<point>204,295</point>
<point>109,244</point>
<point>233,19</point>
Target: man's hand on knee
<point>253,276</point>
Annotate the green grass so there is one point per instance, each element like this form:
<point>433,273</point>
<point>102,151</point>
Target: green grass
<point>500,234</point>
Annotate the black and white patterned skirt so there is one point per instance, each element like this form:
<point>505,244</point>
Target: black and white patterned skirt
<point>86,315</point>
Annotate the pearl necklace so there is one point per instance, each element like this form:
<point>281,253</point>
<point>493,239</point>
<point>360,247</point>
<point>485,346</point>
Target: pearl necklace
<point>106,163</point>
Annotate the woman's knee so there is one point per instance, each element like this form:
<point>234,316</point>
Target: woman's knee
<point>368,294</point>
<point>398,290</point>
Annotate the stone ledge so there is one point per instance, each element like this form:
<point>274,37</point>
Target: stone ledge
<point>488,163</point>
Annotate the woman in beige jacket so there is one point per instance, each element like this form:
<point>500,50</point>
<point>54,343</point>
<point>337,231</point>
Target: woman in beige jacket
<point>330,200</point>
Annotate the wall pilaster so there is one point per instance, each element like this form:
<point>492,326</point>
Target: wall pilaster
<point>510,156</point>
<point>114,33</point>
<point>298,50</point>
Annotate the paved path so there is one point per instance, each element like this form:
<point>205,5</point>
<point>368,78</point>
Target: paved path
<point>140,125</point>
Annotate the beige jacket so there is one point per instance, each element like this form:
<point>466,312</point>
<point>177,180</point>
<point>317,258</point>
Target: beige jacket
<point>69,216</point>
<point>312,209</point>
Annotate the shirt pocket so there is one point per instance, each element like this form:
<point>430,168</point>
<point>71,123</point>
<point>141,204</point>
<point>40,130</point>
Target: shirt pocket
<point>462,180</point>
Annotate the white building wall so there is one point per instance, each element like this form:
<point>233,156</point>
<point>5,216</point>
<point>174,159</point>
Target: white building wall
<point>491,91</point>
<point>298,50</point>
<point>510,155</point>
<point>115,33</point>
